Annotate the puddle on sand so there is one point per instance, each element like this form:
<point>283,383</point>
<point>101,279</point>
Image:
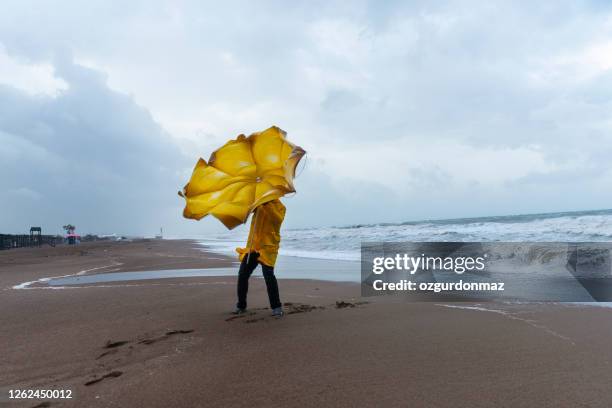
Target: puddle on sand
<point>286,268</point>
<point>135,276</point>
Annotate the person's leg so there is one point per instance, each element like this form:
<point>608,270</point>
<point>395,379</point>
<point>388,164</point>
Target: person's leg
<point>247,266</point>
<point>272,286</point>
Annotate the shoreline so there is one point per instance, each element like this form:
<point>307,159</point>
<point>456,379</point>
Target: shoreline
<point>172,342</point>
<point>288,267</point>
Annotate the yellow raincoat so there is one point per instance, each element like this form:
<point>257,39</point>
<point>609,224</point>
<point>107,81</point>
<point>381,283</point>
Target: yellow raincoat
<point>264,236</point>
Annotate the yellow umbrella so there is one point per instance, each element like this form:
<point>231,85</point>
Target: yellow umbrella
<point>241,175</point>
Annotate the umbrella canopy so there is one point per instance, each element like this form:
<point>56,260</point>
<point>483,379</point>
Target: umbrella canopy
<point>241,175</point>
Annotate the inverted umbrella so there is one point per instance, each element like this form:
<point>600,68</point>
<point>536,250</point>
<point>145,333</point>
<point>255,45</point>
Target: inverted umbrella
<point>241,175</point>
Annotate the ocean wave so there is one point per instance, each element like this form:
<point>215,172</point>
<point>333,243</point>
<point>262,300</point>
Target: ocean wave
<point>344,243</point>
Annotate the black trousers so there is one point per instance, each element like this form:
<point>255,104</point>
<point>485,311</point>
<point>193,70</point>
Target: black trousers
<point>247,266</point>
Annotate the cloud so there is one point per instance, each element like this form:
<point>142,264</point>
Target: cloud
<point>89,156</point>
<point>24,193</point>
<point>407,110</point>
<point>32,78</point>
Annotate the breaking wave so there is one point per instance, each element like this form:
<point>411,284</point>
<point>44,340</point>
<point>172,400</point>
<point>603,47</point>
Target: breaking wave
<point>343,243</point>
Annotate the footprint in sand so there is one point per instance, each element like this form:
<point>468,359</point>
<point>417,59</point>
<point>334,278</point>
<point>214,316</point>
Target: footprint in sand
<point>107,353</point>
<point>112,374</point>
<point>340,304</point>
<point>254,320</point>
<point>240,316</point>
<point>293,308</point>
<point>113,347</point>
<point>172,332</point>
<point>164,336</point>
<point>113,344</point>
<point>290,308</point>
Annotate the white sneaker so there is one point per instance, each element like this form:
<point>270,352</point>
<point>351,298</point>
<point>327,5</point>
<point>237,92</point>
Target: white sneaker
<point>238,311</point>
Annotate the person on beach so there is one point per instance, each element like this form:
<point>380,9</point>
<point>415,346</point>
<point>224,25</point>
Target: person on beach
<point>261,248</point>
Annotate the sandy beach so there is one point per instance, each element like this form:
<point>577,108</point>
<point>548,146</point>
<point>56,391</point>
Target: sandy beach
<point>172,342</point>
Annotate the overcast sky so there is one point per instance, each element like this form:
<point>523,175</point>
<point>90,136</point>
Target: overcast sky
<point>408,110</point>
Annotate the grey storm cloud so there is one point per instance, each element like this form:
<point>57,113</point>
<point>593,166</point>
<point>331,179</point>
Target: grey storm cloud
<point>90,156</point>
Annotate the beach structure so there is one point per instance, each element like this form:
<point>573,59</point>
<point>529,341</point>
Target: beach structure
<point>35,236</point>
<point>33,239</point>
<point>73,239</point>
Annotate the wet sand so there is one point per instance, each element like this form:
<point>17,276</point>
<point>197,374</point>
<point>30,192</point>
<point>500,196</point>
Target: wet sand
<point>172,343</point>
